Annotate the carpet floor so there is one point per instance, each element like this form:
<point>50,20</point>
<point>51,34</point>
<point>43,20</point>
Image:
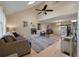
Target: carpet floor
<point>40,43</point>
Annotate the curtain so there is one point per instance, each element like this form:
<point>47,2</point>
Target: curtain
<point>1,29</point>
<point>2,22</point>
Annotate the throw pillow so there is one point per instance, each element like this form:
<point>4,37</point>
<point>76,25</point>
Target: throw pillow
<point>9,39</point>
<point>16,34</point>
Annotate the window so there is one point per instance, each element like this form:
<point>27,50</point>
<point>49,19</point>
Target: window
<point>1,29</point>
<point>2,22</point>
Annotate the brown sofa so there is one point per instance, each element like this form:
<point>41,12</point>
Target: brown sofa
<point>19,45</point>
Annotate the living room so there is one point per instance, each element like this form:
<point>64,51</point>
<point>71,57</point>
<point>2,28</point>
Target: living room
<point>31,21</point>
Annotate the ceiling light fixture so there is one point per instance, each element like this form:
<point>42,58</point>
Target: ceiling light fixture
<point>74,20</point>
<point>58,23</point>
<point>31,2</point>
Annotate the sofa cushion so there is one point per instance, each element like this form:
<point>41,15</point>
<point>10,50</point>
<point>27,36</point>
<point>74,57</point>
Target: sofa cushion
<point>2,41</point>
<point>9,33</point>
<point>20,38</point>
<point>8,39</point>
<point>16,34</point>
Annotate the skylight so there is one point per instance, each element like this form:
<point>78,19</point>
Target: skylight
<point>31,2</point>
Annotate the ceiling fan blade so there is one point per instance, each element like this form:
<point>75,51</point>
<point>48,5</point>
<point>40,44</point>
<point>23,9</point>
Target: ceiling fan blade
<point>38,9</point>
<point>45,7</point>
<point>49,10</point>
<point>39,12</point>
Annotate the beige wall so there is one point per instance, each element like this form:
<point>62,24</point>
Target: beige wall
<point>55,28</point>
<point>16,20</point>
<point>78,32</point>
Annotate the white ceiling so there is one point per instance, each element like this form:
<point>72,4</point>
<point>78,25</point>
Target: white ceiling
<point>11,7</point>
<point>63,10</point>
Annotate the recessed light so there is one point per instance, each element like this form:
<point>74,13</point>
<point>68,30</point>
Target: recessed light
<point>31,2</point>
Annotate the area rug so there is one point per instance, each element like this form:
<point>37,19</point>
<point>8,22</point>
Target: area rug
<point>40,43</point>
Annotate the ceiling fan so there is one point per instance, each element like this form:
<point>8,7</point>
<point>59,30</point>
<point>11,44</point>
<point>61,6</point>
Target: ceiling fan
<point>44,10</point>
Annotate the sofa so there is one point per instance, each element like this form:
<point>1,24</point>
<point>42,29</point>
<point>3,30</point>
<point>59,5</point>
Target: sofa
<point>14,43</point>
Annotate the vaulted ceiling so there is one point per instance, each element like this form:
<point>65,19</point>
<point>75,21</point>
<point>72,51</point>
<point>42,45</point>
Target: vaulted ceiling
<point>61,9</point>
<point>11,7</point>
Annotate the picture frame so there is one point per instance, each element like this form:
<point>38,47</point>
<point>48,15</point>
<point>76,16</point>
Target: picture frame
<point>25,23</point>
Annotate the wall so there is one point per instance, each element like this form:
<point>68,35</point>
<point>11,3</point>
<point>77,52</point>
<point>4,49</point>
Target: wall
<point>78,31</point>
<point>56,28</point>
<point>16,20</point>
<point>55,25</point>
